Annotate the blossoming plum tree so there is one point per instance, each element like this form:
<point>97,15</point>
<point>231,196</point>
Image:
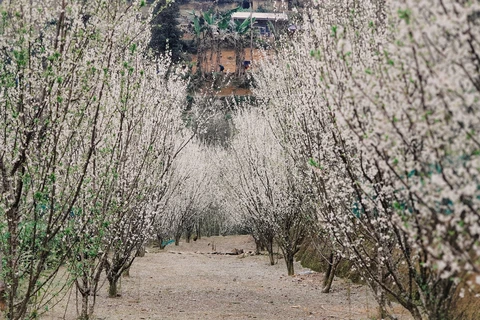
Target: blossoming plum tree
<point>382,101</point>
<point>264,186</point>
<point>90,126</point>
<point>189,196</point>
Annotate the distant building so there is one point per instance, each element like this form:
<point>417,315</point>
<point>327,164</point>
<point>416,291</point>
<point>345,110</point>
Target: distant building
<point>262,20</point>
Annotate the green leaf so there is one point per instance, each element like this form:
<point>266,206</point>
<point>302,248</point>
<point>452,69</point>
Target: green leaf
<point>196,26</point>
<point>243,27</point>
<point>334,31</point>
<point>226,19</point>
<point>209,17</point>
<point>133,48</point>
<point>312,162</point>
<point>405,15</point>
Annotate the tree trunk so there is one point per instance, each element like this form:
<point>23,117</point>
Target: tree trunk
<point>272,258</point>
<point>329,270</point>
<point>177,239</point>
<point>270,253</point>
<point>3,301</point>
<point>415,313</point>
<point>84,314</point>
<point>87,285</point>
<point>199,56</point>
<point>160,242</point>
<point>199,231</point>
<point>141,252</point>
<point>113,287</point>
<point>289,261</point>
<point>218,56</point>
<point>212,49</point>
<point>258,246</point>
<point>382,312</point>
<point>83,288</point>
<point>11,275</point>
<point>239,58</point>
<point>335,261</point>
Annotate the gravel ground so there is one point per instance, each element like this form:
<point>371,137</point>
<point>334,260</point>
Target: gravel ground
<point>189,282</point>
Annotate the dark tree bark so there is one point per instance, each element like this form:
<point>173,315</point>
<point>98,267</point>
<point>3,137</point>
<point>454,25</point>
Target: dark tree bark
<point>334,261</point>
<point>289,259</point>
<point>177,238</point>
<point>271,254</point>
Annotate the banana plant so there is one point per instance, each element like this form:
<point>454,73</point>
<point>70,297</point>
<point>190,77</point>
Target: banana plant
<point>198,30</point>
<point>239,31</point>
<point>211,29</point>
<point>225,27</point>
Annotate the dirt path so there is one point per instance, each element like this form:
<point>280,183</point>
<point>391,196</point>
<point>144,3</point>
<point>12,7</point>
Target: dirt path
<point>188,282</point>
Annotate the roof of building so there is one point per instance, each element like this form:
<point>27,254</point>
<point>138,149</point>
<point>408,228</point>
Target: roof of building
<point>260,16</point>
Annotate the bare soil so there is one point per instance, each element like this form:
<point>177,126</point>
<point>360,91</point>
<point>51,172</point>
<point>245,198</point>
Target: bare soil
<point>189,282</point>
